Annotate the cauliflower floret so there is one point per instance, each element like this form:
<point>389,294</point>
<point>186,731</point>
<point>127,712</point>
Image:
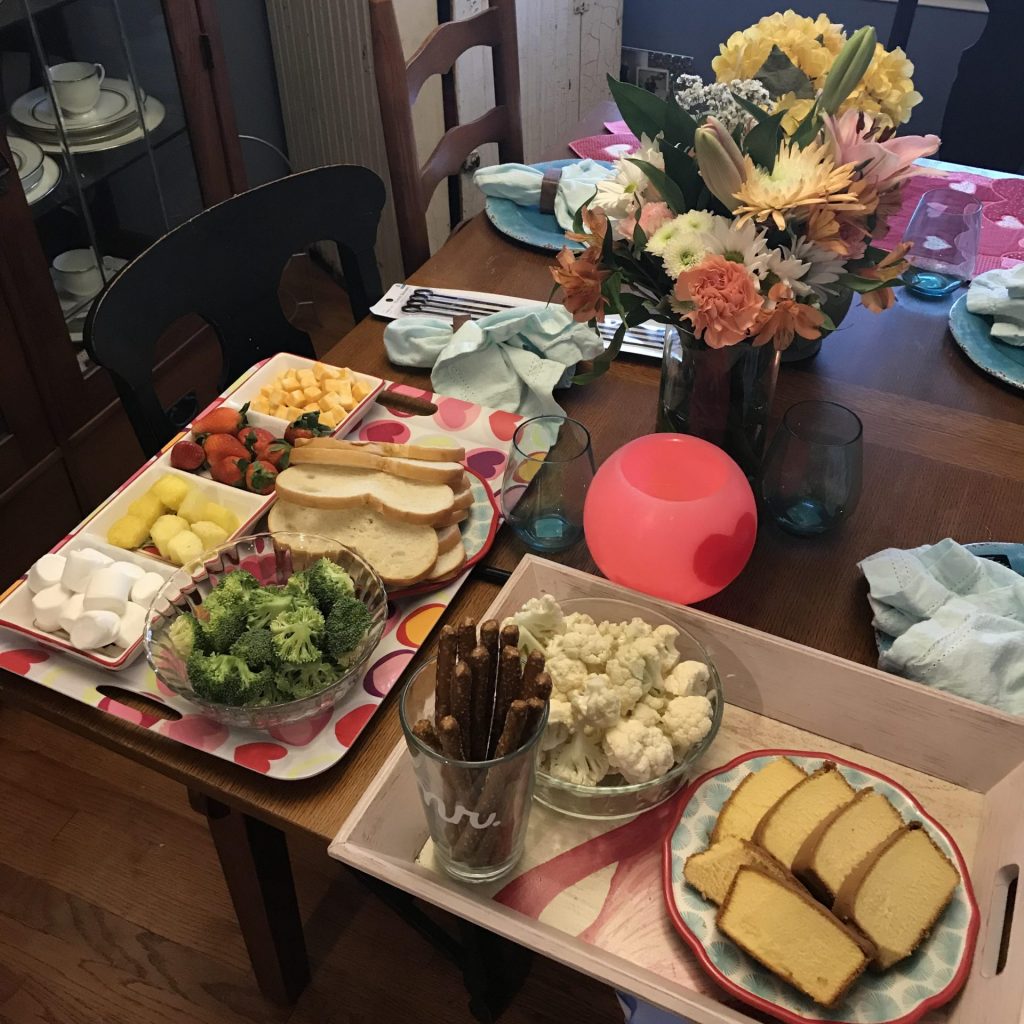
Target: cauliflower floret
<point>655,701</point>
<point>559,724</point>
<point>583,641</point>
<point>629,687</point>
<point>687,720</point>
<point>643,712</point>
<point>643,660</point>
<point>538,620</point>
<point>580,761</point>
<point>636,628</point>
<point>665,637</point>
<point>686,679</point>
<point>640,752</point>
<point>596,707</point>
<point>567,675</point>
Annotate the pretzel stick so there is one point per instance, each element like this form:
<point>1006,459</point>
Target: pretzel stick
<point>447,649</point>
<point>483,701</point>
<point>510,635</point>
<point>489,638</point>
<point>450,737</point>
<point>542,687</point>
<point>462,704</point>
<point>533,668</point>
<point>424,731</point>
<point>467,638</point>
<point>506,690</point>
<point>535,712</point>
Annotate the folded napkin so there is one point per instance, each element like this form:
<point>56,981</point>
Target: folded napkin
<point>522,184</point>
<point>950,619</point>
<point>511,360</point>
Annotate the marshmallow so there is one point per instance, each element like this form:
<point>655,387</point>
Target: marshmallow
<point>130,569</point>
<point>46,607</point>
<point>46,572</point>
<point>95,629</point>
<point>133,622</point>
<point>80,566</point>
<point>74,608</point>
<point>108,591</point>
<point>146,588</point>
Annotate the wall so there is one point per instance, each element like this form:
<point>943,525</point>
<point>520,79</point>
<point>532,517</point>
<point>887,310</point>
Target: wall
<point>697,27</point>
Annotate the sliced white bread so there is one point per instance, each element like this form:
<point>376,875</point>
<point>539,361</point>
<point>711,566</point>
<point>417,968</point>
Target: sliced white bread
<point>448,538</point>
<point>334,487</point>
<point>463,496</point>
<point>420,452</point>
<point>449,562</point>
<point>453,518</point>
<point>408,469</point>
<point>401,553</point>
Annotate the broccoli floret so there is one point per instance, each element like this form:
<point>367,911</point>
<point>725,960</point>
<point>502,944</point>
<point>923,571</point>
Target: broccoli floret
<point>185,635</point>
<point>297,681</point>
<point>226,679</point>
<point>297,585</point>
<point>265,605</point>
<point>241,580</point>
<point>328,582</point>
<point>346,626</point>
<point>255,647</point>
<point>297,632</point>
<point>221,620</point>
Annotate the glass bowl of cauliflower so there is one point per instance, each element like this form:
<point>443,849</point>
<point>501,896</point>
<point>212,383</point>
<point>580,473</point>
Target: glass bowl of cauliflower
<point>266,630</point>
<point>635,702</point>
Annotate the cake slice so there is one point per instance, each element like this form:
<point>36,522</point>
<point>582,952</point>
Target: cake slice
<point>743,811</point>
<point>788,823</point>
<point>898,892</point>
<point>712,871</point>
<point>843,840</point>
<point>784,928</point>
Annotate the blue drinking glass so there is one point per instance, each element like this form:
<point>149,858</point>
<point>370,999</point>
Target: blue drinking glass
<point>945,229</point>
<point>549,469</point>
<point>811,478</point>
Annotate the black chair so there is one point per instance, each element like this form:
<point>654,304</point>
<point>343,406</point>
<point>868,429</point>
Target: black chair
<point>225,266</point>
<point>902,23</point>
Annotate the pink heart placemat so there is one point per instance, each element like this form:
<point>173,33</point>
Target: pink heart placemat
<point>605,147</point>
<point>617,127</point>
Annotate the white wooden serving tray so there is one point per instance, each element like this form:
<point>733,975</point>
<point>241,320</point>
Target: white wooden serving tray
<point>589,894</point>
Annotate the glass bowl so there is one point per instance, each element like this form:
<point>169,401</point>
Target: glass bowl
<point>625,801</point>
<point>272,559</point>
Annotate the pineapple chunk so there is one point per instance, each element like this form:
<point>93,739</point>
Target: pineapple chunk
<point>312,393</point>
<point>289,382</point>
<point>335,386</point>
<point>223,517</point>
<point>329,401</point>
<point>306,378</point>
<point>194,506</point>
<point>330,373</point>
<point>331,418</point>
<point>360,389</point>
<point>266,389</point>
<point>128,532</point>
<point>318,370</point>
<point>149,508</point>
<point>281,412</point>
<point>184,547</point>
<point>210,534</point>
<point>260,404</point>
<point>171,490</point>
<point>296,397</point>
<point>292,412</point>
<point>276,397</point>
<point>164,530</point>
<point>344,373</point>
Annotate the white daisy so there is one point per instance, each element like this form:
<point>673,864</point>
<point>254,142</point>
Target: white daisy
<point>742,244</point>
<point>616,198</point>
<point>789,269</point>
<point>823,273</point>
<point>685,250</point>
<point>693,222</point>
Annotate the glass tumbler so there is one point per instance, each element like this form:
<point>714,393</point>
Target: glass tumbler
<point>549,469</point>
<point>812,474</point>
<point>945,229</point>
<point>477,811</point>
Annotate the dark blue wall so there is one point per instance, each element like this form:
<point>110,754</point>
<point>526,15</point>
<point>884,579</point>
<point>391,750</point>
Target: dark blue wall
<point>697,27</point>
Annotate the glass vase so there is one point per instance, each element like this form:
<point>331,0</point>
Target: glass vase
<point>722,395</point>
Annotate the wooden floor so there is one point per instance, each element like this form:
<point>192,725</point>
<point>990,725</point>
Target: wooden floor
<point>113,910</point>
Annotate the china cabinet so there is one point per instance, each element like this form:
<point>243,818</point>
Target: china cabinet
<point>118,127</point>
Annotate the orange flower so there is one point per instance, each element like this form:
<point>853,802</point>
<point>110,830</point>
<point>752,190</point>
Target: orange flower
<point>783,317</point>
<point>725,298</point>
<point>595,223</point>
<point>887,270</point>
<point>581,279</point>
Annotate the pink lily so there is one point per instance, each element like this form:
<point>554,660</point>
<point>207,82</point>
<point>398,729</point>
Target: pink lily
<point>854,139</point>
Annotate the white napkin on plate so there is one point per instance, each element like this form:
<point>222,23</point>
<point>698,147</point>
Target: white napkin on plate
<point>510,360</point>
<point>521,183</point>
<point>956,621</point>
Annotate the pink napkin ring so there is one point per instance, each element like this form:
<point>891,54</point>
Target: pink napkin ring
<point>549,189</point>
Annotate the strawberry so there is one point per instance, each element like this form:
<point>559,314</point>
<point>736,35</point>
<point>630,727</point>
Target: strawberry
<point>229,471</point>
<point>253,437</point>
<point>223,446</point>
<point>278,453</point>
<point>221,421</point>
<point>307,425</point>
<point>260,477</point>
<point>187,455</point>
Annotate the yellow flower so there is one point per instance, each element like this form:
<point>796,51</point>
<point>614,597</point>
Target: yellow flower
<point>802,180</point>
<point>796,110</point>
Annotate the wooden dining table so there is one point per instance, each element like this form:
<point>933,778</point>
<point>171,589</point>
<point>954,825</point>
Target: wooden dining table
<point>943,457</point>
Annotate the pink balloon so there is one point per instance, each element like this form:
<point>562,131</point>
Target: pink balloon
<point>672,516</point>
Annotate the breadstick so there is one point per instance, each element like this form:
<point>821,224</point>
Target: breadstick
<point>510,635</point>
<point>483,701</point>
<point>506,690</point>
<point>425,732</point>
<point>533,668</point>
<point>462,703</point>
<point>489,638</point>
<point>467,638</point>
<point>447,649</point>
<point>512,734</point>
<point>451,739</point>
<point>534,713</point>
<point>542,687</point>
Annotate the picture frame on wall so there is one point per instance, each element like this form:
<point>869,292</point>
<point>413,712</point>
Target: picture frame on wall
<point>654,80</point>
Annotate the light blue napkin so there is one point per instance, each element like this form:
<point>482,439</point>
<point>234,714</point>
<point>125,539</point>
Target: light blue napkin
<point>950,619</point>
<point>511,360</point>
<point>521,183</point>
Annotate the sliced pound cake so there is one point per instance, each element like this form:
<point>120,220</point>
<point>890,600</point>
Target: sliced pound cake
<point>760,790</point>
<point>711,872</point>
<point>786,826</point>
<point>898,892</point>
<point>843,840</point>
<point>784,928</point>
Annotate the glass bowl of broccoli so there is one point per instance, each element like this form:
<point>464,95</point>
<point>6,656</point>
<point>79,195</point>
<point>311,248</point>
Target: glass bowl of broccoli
<point>268,629</point>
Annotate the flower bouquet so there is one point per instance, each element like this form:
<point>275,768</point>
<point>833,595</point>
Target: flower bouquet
<point>745,219</point>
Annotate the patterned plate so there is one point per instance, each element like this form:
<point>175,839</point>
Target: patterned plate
<point>903,994</point>
<point>526,223</point>
<point>973,334</point>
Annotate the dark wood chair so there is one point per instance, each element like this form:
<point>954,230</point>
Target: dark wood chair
<point>225,266</point>
<point>981,125</point>
<point>398,85</point>
<point>902,23</point>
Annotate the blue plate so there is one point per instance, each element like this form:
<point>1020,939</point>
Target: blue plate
<point>972,333</point>
<point>526,223</point>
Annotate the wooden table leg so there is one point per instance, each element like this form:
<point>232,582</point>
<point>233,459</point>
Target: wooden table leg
<point>254,859</point>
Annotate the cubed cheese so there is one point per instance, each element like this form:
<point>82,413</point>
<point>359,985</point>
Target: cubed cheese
<point>306,378</point>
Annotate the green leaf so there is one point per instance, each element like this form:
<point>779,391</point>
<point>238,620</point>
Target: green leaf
<point>601,364</point>
<point>827,324</point>
<point>639,237</point>
<point>680,127</point>
<point>808,128</point>
<point>751,108</point>
<point>682,169</point>
<point>606,246</point>
<point>670,191</point>
<point>763,141</point>
<point>862,285</point>
<point>577,219</point>
<point>641,110</point>
<point>779,75</point>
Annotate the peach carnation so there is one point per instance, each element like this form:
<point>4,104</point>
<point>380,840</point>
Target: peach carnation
<point>725,297</point>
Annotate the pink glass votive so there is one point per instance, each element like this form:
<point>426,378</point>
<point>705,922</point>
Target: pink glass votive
<point>672,516</point>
